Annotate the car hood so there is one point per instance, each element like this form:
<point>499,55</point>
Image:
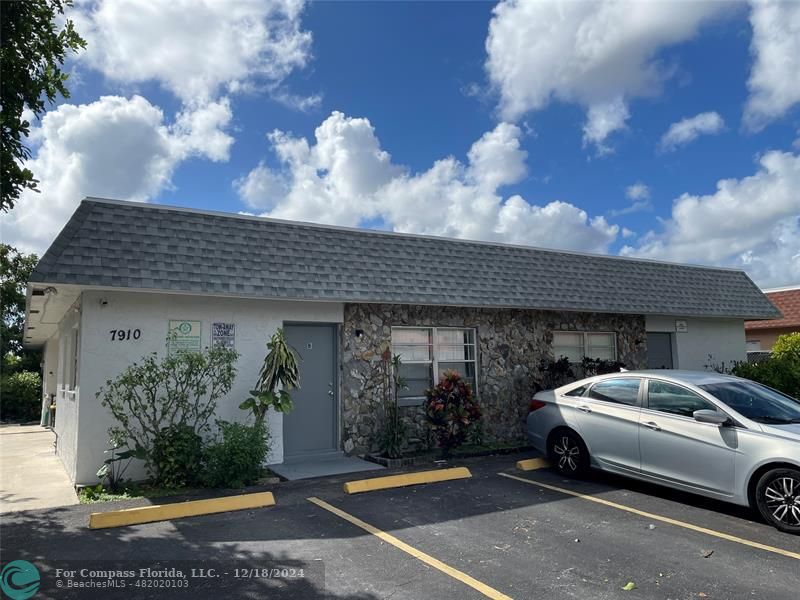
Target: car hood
<point>790,431</point>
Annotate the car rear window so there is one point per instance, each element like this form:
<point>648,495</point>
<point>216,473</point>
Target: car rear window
<point>621,391</point>
<point>578,391</point>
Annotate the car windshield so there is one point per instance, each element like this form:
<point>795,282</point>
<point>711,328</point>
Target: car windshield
<point>756,402</point>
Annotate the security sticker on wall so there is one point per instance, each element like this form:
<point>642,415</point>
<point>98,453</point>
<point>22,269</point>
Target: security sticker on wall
<point>184,335</point>
<point>223,335</point>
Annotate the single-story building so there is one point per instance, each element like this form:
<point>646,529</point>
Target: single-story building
<point>761,335</point>
<point>121,274</point>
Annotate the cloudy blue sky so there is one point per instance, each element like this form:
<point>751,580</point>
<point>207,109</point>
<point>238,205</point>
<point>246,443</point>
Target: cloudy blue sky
<point>667,130</point>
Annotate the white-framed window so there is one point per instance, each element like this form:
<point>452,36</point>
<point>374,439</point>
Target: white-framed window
<point>74,379</point>
<point>427,352</point>
<point>70,356</point>
<point>577,345</point>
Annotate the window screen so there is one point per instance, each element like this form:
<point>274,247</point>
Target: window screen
<point>569,344</point>
<point>427,352</point>
<point>576,345</point>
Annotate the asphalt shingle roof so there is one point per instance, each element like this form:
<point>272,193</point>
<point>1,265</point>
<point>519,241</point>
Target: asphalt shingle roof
<point>131,245</point>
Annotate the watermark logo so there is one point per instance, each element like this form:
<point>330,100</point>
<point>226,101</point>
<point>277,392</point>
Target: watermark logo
<point>19,580</point>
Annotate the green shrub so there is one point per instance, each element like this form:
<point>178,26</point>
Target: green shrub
<point>600,366</point>
<point>781,372</point>
<point>156,402</point>
<point>278,376</point>
<point>176,459</point>
<point>787,345</point>
<point>393,434</point>
<point>21,396</point>
<point>554,373</point>
<point>236,459</point>
<point>451,410</point>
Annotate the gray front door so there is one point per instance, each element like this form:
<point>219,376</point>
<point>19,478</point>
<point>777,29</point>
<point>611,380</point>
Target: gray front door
<point>659,350</point>
<point>311,425</point>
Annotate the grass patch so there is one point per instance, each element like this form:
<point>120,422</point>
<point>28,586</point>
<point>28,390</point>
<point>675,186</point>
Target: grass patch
<point>91,495</point>
<point>94,494</point>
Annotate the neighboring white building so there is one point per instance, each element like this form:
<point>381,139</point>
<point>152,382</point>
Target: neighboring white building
<point>106,291</point>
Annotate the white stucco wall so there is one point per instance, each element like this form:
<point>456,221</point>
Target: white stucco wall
<point>103,359</point>
<point>723,339</point>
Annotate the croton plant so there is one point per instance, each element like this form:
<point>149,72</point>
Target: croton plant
<point>451,409</point>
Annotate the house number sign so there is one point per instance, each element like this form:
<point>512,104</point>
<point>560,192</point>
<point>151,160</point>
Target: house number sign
<point>125,335</point>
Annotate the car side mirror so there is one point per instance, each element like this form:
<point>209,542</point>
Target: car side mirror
<point>710,416</point>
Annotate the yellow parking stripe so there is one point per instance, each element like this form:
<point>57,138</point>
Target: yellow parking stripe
<point>636,511</point>
<point>484,589</point>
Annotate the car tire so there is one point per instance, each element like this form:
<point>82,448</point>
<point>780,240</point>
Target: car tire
<point>778,499</point>
<point>568,454</point>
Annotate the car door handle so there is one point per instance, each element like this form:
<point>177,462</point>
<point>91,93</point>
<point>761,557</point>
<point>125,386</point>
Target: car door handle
<point>651,425</point>
<point>584,408</point>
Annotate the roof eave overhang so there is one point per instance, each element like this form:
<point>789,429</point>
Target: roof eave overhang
<point>44,322</point>
<point>419,302</point>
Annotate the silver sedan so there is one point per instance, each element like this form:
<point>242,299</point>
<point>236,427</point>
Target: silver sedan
<point>716,435</point>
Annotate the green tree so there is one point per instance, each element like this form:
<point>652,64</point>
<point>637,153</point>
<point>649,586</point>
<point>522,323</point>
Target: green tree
<point>15,269</point>
<point>787,345</point>
<point>33,47</point>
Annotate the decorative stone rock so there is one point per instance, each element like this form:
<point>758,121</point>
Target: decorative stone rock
<point>511,343</point>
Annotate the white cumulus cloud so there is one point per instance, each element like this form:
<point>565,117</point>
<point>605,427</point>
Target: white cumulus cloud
<point>114,147</point>
<point>639,195</point>
<point>344,177</point>
<point>751,223</point>
<point>203,52</point>
<point>637,191</point>
<point>596,54</point>
<point>774,82</point>
<point>602,120</point>
<point>689,129</point>
<point>197,49</point>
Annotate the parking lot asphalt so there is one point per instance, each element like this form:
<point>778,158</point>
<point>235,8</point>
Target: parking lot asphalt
<point>488,536</point>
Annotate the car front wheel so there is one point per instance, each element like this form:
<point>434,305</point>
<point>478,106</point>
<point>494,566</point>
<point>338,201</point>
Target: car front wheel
<point>568,453</point>
<point>778,499</point>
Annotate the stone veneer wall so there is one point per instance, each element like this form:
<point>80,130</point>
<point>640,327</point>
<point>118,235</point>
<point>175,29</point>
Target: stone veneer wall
<point>511,344</point>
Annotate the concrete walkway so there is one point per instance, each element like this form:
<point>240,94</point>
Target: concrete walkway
<point>335,463</point>
<point>31,475</point>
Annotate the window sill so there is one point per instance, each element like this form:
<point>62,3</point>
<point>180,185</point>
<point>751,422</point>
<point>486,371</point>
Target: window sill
<point>406,402</point>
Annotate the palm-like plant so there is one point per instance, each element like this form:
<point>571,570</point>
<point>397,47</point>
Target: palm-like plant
<point>278,376</point>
